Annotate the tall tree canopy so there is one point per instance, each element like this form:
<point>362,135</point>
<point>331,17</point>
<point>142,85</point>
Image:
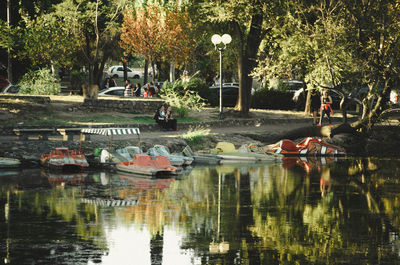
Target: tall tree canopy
<point>156,32</point>
<point>343,45</point>
<point>249,22</point>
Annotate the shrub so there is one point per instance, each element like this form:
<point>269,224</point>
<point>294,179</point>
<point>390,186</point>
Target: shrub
<point>195,135</point>
<point>199,86</point>
<point>40,82</point>
<point>182,96</point>
<point>77,78</point>
<point>272,99</point>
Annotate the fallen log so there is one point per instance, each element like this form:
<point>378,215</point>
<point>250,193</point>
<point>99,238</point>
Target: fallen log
<point>315,131</point>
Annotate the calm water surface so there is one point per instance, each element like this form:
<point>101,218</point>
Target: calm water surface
<point>298,212</point>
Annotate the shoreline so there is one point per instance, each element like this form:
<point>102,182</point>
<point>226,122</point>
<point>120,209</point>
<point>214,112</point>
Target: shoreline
<point>382,142</point>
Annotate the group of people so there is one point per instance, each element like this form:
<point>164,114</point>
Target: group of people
<point>322,104</point>
<point>164,118</point>
<point>108,82</point>
<point>148,92</point>
<point>131,90</point>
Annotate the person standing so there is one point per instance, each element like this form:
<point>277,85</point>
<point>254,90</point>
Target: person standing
<point>326,108</point>
<point>151,90</point>
<point>112,83</point>
<point>315,105</point>
<point>128,88</point>
<point>146,90</point>
<point>137,90</point>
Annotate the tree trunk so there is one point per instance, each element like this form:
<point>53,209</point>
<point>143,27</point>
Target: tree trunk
<point>171,71</point>
<point>307,106</point>
<point>125,71</point>
<point>146,71</point>
<point>247,60</point>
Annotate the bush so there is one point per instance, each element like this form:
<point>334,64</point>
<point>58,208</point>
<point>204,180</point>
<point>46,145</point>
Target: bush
<point>182,96</point>
<point>199,86</point>
<point>195,135</point>
<point>77,78</point>
<point>272,99</point>
<point>40,82</point>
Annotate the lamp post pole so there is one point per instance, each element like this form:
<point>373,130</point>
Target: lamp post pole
<point>216,40</point>
<point>221,113</point>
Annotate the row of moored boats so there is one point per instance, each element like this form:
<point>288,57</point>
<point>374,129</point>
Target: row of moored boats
<point>158,160</point>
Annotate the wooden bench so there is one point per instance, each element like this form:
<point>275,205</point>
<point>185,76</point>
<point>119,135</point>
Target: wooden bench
<point>68,134</point>
<point>41,134</point>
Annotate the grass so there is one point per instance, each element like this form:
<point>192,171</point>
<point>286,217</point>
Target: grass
<point>195,135</point>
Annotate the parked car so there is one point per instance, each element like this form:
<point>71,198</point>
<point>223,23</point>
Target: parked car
<point>12,89</point>
<point>229,96</point>
<point>116,91</point>
<point>117,71</point>
<point>230,84</point>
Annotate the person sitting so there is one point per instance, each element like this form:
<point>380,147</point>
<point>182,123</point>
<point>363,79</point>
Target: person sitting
<point>171,122</point>
<point>160,117</point>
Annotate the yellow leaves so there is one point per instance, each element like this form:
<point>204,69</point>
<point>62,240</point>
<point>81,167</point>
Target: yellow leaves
<point>156,31</point>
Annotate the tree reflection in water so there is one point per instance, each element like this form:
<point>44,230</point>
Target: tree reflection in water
<point>307,211</point>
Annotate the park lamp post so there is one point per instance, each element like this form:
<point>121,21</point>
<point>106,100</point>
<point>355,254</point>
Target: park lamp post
<point>217,40</point>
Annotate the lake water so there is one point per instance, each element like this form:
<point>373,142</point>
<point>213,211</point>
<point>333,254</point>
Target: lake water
<point>299,212</point>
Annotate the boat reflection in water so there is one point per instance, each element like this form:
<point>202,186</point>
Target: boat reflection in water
<point>228,214</point>
<point>64,178</point>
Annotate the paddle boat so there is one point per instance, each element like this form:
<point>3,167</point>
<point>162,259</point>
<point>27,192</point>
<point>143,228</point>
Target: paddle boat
<point>147,165</point>
<point>129,152</point>
<point>229,154</point>
<point>308,147</point>
<point>199,158</point>
<point>9,162</point>
<point>175,159</point>
<point>64,159</point>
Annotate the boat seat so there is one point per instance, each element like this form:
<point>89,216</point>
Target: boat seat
<point>288,145</point>
<point>225,147</point>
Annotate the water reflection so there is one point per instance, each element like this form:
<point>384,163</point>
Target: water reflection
<point>306,211</point>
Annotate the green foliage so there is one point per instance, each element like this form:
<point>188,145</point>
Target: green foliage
<point>198,85</point>
<point>40,82</point>
<point>195,135</point>
<point>182,96</point>
<point>6,34</point>
<point>272,99</point>
<point>77,78</point>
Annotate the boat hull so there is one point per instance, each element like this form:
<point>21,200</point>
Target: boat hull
<point>9,162</point>
<point>62,159</point>
<point>308,147</point>
<point>147,165</point>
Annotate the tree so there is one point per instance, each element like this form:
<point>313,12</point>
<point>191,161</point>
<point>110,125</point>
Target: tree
<point>155,32</point>
<point>143,33</point>
<point>178,37</point>
<point>48,43</point>
<point>342,45</point>
<point>94,24</point>
<point>251,21</point>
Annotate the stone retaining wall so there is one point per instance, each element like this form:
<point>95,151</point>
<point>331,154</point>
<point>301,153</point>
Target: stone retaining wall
<point>131,105</point>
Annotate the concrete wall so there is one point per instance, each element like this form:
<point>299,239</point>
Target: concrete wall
<point>128,105</point>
